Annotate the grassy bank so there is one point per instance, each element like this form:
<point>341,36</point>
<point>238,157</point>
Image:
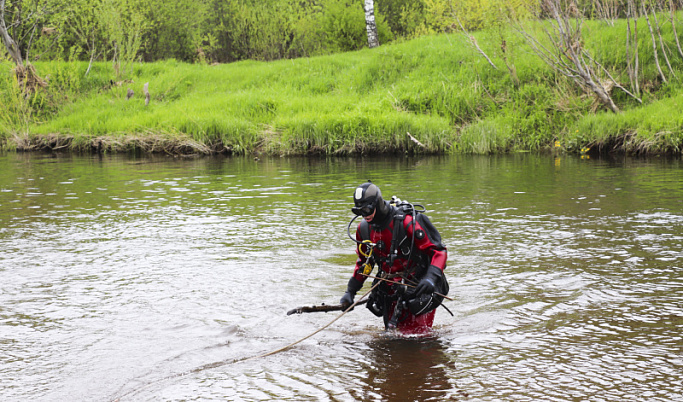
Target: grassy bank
<point>436,88</point>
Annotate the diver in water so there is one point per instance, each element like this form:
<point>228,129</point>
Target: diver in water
<point>406,247</point>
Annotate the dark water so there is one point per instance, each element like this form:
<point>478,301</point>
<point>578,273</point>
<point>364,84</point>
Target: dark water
<point>153,279</point>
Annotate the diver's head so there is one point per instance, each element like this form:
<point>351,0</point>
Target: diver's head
<point>368,202</point>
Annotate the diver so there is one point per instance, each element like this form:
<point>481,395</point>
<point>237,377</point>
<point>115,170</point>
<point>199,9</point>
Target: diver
<point>405,246</point>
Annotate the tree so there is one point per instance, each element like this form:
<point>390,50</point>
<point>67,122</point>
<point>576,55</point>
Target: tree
<point>371,26</point>
<point>566,52</point>
<point>81,19</point>
<point>11,46</point>
<point>27,77</point>
<point>123,24</point>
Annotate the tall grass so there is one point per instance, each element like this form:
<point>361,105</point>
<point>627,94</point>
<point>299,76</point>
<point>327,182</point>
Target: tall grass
<point>436,88</point>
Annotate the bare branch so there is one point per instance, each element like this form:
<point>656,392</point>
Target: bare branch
<point>471,39</point>
<point>632,12</point>
<point>30,41</point>
<point>672,9</point>
<point>415,140</point>
<point>661,42</point>
<point>7,40</point>
<point>654,43</point>
<point>607,10</point>
<point>616,84</point>
<point>566,53</point>
<point>92,57</point>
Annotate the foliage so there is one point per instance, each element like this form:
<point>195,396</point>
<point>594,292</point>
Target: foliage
<point>15,116</point>
<point>343,26</point>
<point>24,20</point>
<point>437,87</point>
<point>657,127</point>
<point>79,28</point>
<point>416,18</point>
<point>230,30</point>
<point>123,23</point>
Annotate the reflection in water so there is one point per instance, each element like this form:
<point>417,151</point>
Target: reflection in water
<point>122,275</point>
<point>405,369</point>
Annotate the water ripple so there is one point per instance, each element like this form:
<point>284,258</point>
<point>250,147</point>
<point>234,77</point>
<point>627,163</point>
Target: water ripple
<point>157,281</point>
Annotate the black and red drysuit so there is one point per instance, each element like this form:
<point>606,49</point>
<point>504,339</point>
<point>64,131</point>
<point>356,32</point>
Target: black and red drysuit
<point>419,252</point>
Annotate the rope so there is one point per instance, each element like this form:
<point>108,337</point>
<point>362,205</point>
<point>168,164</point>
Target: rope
<point>233,361</point>
<point>282,349</point>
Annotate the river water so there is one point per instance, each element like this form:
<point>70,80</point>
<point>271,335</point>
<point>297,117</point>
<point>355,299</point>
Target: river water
<point>140,279</point>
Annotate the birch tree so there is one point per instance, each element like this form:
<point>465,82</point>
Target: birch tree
<point>370,25</point>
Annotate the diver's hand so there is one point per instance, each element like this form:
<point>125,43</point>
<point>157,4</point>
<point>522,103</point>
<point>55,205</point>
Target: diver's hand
<point>427,284</point>
<point>347,299</point>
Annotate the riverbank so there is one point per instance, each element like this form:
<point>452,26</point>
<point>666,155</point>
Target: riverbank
<point>430,95</point>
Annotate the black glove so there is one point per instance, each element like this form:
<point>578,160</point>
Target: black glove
<point>375,306</point>
<point>347,299</point>
<point>429,281</point>
<point>351,290</point>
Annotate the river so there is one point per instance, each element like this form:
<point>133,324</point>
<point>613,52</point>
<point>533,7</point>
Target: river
<point>157,278</point>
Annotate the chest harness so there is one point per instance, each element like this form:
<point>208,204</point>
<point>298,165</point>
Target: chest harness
<point>394,286</point>
<point>400,247</point>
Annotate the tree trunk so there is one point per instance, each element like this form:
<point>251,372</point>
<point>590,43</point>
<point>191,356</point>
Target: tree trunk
<point>635,49</point>
<point>673,26</point>
<point>370,25</point>
<point>7,40</point>
<point>601,93</point>
<point>631,52</point>
<point>654,44</point>
<point>661,42</point>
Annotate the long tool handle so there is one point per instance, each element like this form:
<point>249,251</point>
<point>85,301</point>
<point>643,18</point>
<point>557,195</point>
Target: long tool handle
<point>322,308</point>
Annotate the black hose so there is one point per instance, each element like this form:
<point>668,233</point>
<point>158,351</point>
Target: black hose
<point>348,230</point>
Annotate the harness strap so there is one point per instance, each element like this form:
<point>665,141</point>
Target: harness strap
<point>364,230</point>
<point>393,251</point>
<point>399,236</point>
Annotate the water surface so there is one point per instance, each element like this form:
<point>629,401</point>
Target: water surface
<point>155,278</point>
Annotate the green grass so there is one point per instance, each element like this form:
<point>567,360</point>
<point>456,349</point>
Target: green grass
<point>436,88</point>
<point>654,128</point>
